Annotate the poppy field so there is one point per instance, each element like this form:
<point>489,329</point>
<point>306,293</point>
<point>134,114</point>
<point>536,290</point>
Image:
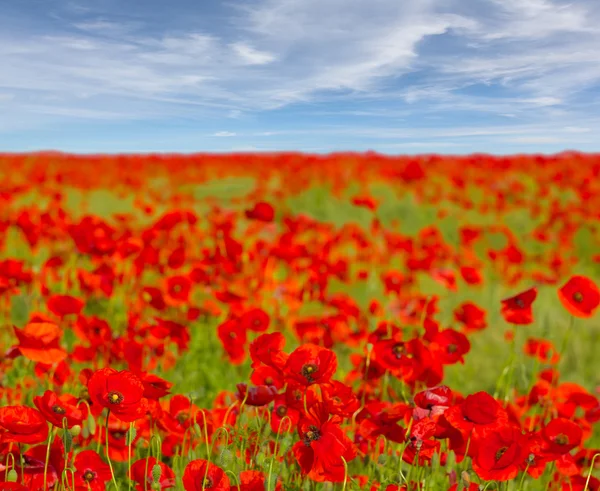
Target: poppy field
<point>299,322</point>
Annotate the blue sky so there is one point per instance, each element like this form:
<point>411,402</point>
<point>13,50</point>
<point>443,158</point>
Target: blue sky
<point>394,76</point>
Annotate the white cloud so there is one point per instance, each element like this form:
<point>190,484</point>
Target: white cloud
<point>250,56</point>
<point>224,133</point>
<point>382,58</point>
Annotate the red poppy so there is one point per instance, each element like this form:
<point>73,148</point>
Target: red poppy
<point>471,275</point>
<point>268,349</point>
<point>22,424</point>
<point>284,416</point>
<point>196,477</point>
<point>311,364</point>
<point>450,346</point>
<point>517,309</point>
<point>261,211</point>
<point>256,320</point>
<point>562,435</point>
<point>252,481</point>
<point>265,375</point>
<point>120,392</point>
<point>233,337</point>
<point>142,470</point>
<point>322,446</point>
<point>56,410</point>
<point>90,471</point>
<point>40,341</point>
<point>580,296</point>
<point>542,349</point>
<point>260,395</point>
<point>500,454</point>
<point>178,290</point>
<point>471,316</point>
<point>62,305</point>
<point>154,386</point>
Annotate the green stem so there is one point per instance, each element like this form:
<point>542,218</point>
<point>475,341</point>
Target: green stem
<point>51,431</point>
<point>589,476</point>
<point>112,472</point>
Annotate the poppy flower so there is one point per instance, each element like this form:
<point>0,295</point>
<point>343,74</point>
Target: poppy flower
<point>35,459</point>
<point>471,275</point>
<point>268,349</point>
<point>261,211</point>
<point>284,417</point>
<point>154,386</point>
<point>40,342</point>
<point>178,290</point>
<point>265,375</point>
<point>196,477</point>
<point>542,349</point>
<point>252,481</point>
<point>562,435</point>
<point>120,392</point>
<point>256,320</point>
<point>500,454</point>
<point>22,424</point>
<point>233,337</point>
<point>580,296</point>
<point>478,412</point>
<point>471,316</point>
<point>517,309</point>
<point>91,473</point>
<point>62,305</point>
<point>56,410</point>
<point>141,473</point>
<point>322,446</point>
<point>260,395</point>
<point>311,364</point>
<point>450,346</point>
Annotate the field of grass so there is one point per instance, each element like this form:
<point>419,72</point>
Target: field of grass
<point>297,322</point>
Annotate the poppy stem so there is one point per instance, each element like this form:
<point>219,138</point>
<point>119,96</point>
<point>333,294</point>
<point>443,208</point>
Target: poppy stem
<point>112,472</point>
<point>130,438</point>
<point>345,473</point>
<point>589,476</point>
<point>22,461</point>
<point>565,342</point>
<point>276,449</point>
<point>47,455</point>
<point>523,478</point>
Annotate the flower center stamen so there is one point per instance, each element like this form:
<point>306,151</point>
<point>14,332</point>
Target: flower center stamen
<point>115,397</point>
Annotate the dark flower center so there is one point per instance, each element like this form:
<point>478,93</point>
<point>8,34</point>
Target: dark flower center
<point>561,439</point>
<point>181,418</point>
<point>281,411</point>
<point>311,435</point>
<point>500,453</point>
<point>308,370</point>
<point>58,409</point>
<point>118,435</point>
<point>399,350</point>
<point>256,322</point>
<point>89,475</point>
<point>115,397</point>
<point>578,297</point>
<point>208,483</point>
<point>269,381</point>
<point>519,303</point>
<point>177,288</point>
<point>452,348</point>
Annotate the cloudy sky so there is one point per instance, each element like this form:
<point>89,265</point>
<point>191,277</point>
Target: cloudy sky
<point>394,76</point>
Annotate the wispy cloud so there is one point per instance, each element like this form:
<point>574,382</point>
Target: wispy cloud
<point>250,56</point>
<point>487,69</point>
